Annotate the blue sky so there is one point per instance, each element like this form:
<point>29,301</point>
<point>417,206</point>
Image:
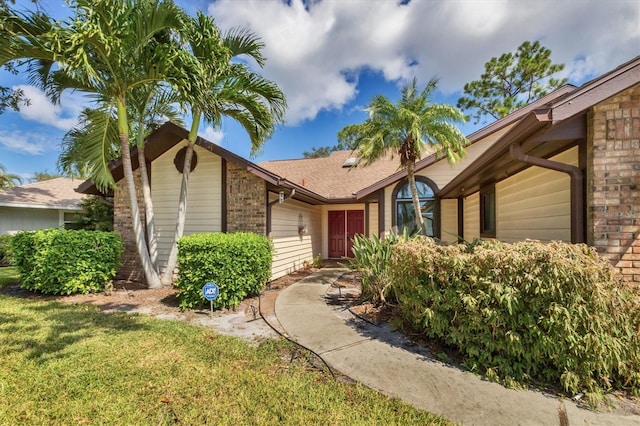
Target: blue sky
<point>331,56</point>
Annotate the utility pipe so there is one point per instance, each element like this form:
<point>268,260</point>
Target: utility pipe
<point>577,183</point>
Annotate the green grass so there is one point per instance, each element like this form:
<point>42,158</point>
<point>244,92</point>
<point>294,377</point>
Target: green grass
<point>71,364</point>
<point>8,275</point>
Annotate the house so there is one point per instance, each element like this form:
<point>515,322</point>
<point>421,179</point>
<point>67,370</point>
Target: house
<point>566,167</point>
<point>48,204</point>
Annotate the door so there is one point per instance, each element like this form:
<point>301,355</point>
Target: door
<point>355,225</point>
<point>343,225</point>
<point>336,233</point>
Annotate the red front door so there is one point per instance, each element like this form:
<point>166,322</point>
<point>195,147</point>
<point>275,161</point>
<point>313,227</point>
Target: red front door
<point>343,225</point>
<point>336,233</point>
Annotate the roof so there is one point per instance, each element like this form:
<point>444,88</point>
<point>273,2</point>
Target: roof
<point>58,194</point>
<point>328,177</point>
<point>544,131</point>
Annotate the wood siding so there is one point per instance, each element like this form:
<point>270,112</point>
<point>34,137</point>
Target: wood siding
<point>373,219</point>
<point>449,220</point>
<point>536,203</point>
<point>291,249</point>
<point>472,217</point>
<point>204,211</point>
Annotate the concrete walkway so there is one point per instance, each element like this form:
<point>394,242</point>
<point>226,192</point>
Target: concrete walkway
<point>425,383</point>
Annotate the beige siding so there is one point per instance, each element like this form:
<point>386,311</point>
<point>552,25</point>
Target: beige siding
<point>536,203</point>
<point>204,211</point>
<point>373,219</point>
<point>472,217</point>
<point>291,248</point>
<point>449,220</point>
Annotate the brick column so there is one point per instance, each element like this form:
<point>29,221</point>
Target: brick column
<point>614,181</point>
<point>131,268</point>
<point>246,204</point>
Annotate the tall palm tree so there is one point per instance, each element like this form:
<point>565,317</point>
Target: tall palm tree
<point>406,129</point>
<point>233,91</point>
<point>8,180</point>
<point>106,49</point>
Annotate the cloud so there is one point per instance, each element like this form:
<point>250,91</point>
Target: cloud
<point>26,143</point>
<point>315,49</point>
<point>62,116</point>
<point>213,135</point>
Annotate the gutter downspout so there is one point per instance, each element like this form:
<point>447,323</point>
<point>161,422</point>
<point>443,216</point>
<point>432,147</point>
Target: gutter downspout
<point>577,182</point>
<point>270,205</point>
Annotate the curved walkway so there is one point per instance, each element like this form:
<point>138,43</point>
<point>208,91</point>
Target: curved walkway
<point>425,383</point>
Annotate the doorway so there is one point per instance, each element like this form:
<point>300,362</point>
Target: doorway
<point>343,226</point>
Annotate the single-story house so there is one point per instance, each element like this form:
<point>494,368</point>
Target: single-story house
<point>566,167</point>
<point>51,203</point>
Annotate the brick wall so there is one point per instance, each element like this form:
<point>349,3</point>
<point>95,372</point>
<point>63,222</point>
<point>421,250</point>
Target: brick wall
<point>131,268</point>
<point>246,205</point>
<point>613,187</point>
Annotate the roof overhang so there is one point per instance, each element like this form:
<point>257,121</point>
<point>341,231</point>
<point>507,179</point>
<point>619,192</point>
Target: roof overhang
<point>41,206</point>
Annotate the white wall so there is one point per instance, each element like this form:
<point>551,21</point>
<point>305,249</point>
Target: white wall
<point>15,219</point>
<point>204,210</point>
<point>291,248</point>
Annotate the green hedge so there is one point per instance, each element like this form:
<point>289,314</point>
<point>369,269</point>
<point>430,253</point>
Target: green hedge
<point>239,263</point>
<point>553,313</point>
<point>59,261</point>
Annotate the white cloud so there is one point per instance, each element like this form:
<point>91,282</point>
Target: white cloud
<point>312,50</point>
<point>62,116</point>
<point>26,143</point>
<point>213,135</point>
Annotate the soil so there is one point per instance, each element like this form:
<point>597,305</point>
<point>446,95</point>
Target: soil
<point>254,319</point>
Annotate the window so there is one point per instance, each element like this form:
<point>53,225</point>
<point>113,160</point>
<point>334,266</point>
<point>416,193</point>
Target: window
<point>72,220</point>
<point>488,212</point>
<point>404,213</point>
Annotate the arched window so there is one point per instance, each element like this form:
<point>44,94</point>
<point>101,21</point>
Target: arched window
<point>403,211</point>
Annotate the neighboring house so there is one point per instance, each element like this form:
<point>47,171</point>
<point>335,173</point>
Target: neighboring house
<point>566,167</point>
<point>48,204</point>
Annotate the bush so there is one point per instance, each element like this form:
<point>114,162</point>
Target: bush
<point>6,256</point>
<point>58,261</point>
<point>239,263</point>
<point>554,313</point>
<point>372,257</point>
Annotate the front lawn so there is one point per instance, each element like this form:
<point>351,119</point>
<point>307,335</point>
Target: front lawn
<point>8,275</point>
<point>71,364</point>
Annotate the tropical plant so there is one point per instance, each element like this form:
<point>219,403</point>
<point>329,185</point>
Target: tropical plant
<point>8,180</point>
<point>511,82</point>
<point>233,91</point>
<point>408,129</point>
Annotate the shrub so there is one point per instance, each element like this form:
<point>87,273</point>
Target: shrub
<point>6,256</point>
<point>58,261</point>
<point>555,313</point>
<point>239,263</point>
<point>372,257</point>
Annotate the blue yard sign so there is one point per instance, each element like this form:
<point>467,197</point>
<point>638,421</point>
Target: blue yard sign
<point>210,291</point>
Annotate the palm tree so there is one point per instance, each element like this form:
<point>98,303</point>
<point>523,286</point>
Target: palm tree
<point>108,48</point>
<point>8,180</point>
<point>216,91</point>
<point>407,129</point>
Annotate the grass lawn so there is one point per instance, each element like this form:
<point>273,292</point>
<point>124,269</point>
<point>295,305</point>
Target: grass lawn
<point>71,364</point>
<point>8,275</point>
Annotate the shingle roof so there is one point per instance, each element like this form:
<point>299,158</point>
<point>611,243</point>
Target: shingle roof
<point>55,193</point>
<point>326,176</point>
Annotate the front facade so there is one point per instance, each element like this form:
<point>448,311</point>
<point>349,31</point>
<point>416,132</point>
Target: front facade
<point>563,168</point>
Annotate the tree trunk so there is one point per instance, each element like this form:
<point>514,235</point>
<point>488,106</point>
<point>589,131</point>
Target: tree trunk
<point>411,177</point>
<point>153,280</point>
<point>172,261</point>
<point>152,241</point>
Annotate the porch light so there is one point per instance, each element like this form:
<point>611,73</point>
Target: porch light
<point>302,228</point>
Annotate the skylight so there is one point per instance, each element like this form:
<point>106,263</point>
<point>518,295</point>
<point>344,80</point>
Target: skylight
<point>350,162</point>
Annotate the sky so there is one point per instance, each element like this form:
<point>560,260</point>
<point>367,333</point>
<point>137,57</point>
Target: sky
<point>330,57</point>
